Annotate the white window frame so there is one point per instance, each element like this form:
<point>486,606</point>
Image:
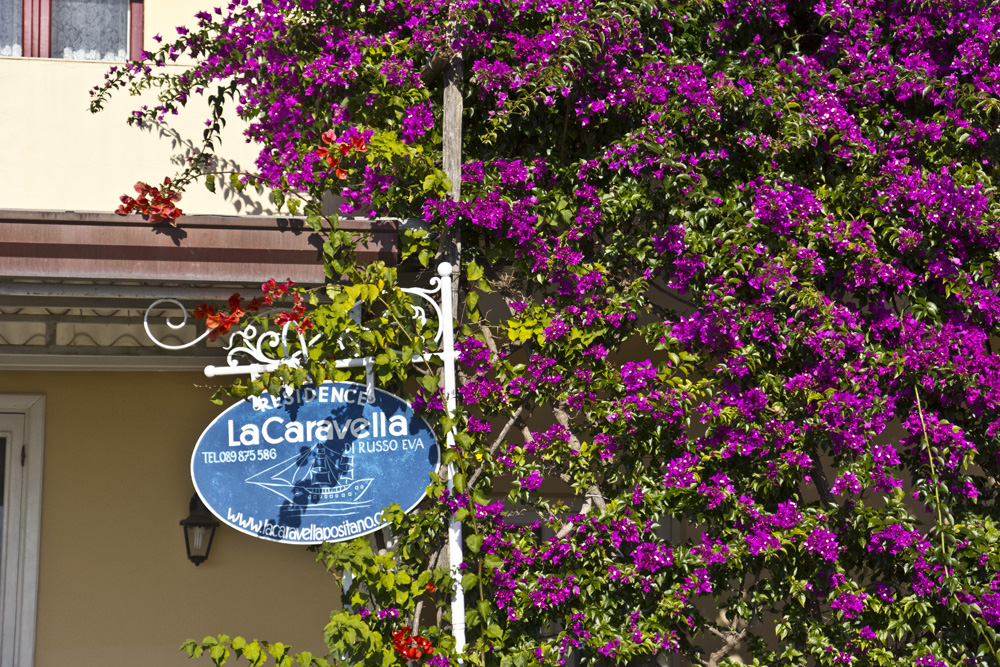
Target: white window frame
<point>22,420</point>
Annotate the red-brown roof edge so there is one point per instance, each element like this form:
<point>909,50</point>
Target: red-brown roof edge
<point>209,248</point>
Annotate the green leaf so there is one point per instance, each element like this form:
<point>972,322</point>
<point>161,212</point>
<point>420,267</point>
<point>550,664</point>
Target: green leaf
<point>493,561</point>
<point>473,271</point>
<point>219,654</point>
<point>210,182</point>
<point>475,542</point>
<point>190,646</point>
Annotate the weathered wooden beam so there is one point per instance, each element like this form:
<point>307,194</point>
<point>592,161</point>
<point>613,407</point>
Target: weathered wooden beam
<point>436,66</point>
<point>451,146</point>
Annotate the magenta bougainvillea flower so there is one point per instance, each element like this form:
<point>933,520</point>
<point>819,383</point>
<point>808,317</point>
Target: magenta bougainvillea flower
<point>729,287</point>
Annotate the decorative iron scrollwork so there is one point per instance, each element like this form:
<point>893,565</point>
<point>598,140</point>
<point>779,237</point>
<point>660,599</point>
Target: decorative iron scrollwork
<point>267,349</point>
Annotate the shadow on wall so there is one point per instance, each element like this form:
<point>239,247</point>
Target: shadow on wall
<point>186,151</point>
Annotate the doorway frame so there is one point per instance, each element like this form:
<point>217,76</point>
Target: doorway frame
<point>18,624</point>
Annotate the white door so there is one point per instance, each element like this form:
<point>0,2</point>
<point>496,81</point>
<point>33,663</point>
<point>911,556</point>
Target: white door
<point>20,523</point>
<point>12,478</point>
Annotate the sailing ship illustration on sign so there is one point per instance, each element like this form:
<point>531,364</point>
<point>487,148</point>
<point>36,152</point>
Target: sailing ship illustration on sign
<point>319,481</point>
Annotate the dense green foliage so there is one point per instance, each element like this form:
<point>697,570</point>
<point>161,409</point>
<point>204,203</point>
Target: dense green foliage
<point>741,260</point>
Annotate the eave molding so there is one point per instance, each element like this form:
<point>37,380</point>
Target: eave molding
<point>68,245</point>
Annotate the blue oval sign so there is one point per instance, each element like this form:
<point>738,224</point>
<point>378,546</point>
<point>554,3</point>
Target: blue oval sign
<point>317,464</point>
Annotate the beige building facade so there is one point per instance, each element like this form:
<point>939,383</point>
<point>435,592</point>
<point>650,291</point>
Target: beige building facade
<point>97,425</point>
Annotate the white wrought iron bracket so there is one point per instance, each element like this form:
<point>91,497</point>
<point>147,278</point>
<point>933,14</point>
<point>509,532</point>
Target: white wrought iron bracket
<point>253,350</point>
<point>261,348</point>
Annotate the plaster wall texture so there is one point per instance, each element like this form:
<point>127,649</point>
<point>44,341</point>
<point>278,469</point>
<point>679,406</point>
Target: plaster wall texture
<point>59,156</point>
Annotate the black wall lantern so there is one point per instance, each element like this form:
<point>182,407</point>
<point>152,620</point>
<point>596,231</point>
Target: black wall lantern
<point>199,530</point>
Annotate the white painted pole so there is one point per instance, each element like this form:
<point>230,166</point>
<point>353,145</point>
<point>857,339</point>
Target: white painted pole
<point>345,584</point>
<point>450,401</point>
<point>447,356</point>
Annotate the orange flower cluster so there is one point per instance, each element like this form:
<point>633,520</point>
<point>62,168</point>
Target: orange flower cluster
<point>155,203</point>
<point>411,646</point>
<point>332,159</point>
<point>220,322</point>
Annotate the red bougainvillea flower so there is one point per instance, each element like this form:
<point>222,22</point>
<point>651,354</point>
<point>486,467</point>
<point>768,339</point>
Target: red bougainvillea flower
<point>203,310</point>
<point>273,291</point>
<point>220,322</point>
<point>296,316</point>
<point>258,303</point>
<point>235,307</point>
<point>431,588</point>
<point>285,318</point>
<point>154,203</point>
<point>353,144</point>
<point>411,646</point>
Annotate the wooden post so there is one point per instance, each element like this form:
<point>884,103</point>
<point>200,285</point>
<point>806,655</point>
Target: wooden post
<point>450,251</point>
<point>451,241</point>
<point>452,125</point>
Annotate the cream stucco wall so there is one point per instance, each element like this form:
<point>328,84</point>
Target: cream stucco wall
<point>115,585</point>
<point>58,156</point>
<point>161,17</point>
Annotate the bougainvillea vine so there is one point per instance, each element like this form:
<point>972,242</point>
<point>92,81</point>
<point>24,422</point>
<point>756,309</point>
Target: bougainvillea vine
<point>730,292</point>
